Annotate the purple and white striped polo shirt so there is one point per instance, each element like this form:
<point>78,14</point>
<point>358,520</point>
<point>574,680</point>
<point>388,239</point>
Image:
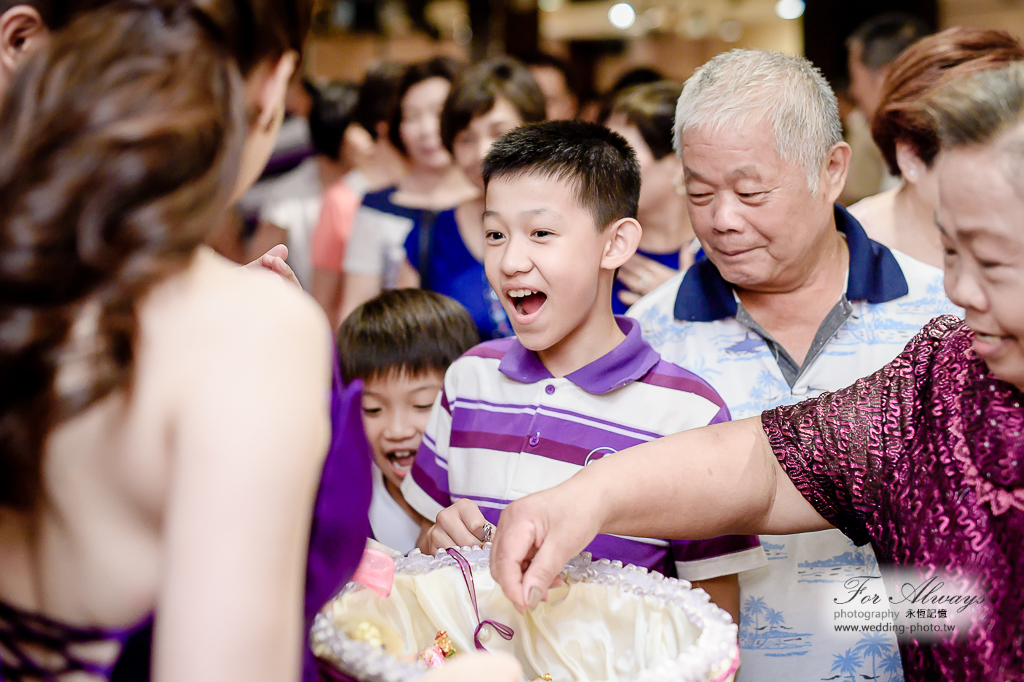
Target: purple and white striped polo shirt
<point>502,427</point>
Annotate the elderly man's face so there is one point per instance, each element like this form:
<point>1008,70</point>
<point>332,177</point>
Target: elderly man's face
<point>752,210</point>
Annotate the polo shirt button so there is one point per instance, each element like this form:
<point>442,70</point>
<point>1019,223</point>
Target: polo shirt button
<point>549,389</point>
<point>534,439</point>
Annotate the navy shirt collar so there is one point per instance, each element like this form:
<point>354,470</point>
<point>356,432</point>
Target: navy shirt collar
<point>624,364</point>
<point>874,276</point>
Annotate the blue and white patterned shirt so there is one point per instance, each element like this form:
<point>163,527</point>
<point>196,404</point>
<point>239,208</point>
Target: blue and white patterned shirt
<point>789,608</point>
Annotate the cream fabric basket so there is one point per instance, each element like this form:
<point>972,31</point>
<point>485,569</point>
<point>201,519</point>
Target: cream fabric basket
<point>609,622</point>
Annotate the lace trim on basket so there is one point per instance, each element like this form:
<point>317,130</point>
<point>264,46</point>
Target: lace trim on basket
<point>715,656</point>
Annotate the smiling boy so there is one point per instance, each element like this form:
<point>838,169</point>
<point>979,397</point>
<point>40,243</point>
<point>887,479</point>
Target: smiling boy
<point>517,416</point>
<point>400,344</point>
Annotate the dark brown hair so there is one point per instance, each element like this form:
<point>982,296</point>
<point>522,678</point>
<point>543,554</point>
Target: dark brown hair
<point>377,94</point>
<point>251,31</point>
<point>923,68</point>
<point>651,108</point>
<point>404,331</point>
<point>477,89</point>
<point>117,158</point>
<point>438,67</point>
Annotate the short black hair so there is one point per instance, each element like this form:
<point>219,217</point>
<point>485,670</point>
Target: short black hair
<point>334,105</point>
<point>652,109</point>
<point>884,37</point>
<point>476,90</point>
<point>404,331</point>
<point>377,95</point>
<point>598,164</point>
<point>438,67</point>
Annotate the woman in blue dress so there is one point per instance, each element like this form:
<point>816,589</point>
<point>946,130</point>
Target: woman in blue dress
<point>487,101</point>
<point>374,255</point>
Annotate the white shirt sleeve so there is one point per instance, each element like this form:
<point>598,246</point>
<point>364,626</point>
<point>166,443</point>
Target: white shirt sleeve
<point>373,234</point>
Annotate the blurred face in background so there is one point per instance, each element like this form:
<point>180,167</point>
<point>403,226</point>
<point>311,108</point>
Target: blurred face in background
<point>420,128</point>
<point>659,178</point>
<point>357,146</point>
<point>560,102</point>
<point>865,84</point>
<point>470,145</point>
<point>919,175</point>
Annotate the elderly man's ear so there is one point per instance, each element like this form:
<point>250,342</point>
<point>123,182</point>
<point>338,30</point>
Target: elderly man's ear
<point>833,175</point>
<point>22,30</point>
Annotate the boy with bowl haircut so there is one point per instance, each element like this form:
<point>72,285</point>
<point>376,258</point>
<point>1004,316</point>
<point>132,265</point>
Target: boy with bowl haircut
<point>400,344</point>
<point>520,415</point>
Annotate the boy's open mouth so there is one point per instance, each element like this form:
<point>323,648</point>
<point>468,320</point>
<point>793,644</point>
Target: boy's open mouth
<point>527,301</point>
<point>401,460</point>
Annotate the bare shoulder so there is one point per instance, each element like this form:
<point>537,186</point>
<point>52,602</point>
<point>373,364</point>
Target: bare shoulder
<point>876,215</point>
<point>217,303</point>
<point>217,324</point>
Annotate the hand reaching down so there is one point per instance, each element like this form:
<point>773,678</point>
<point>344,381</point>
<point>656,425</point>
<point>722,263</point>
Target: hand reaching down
<point>460,525</point>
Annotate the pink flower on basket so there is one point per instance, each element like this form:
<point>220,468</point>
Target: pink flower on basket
<point>376,572</point>
<point>433,657</point>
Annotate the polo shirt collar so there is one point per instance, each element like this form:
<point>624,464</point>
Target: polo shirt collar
<point>874,276</point>
<point>624,364</point>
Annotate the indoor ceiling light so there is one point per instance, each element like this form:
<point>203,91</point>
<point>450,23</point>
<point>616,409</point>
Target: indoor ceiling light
<point>622,15</point>
<point>790,9</point>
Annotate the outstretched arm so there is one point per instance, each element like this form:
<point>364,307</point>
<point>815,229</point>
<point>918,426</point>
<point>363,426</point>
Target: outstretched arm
<point>718,480</point>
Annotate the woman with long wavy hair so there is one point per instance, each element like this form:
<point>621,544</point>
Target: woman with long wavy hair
<point>163,419</point>
<point>151,459</point>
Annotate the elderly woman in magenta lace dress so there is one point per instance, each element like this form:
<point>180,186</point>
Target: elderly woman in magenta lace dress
<point>924,459</point>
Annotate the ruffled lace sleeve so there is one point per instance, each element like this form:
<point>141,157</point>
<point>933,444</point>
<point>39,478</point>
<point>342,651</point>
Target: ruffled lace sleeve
<point>841,449</point>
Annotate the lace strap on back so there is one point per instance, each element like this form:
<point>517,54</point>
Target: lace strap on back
<point>33,647</point>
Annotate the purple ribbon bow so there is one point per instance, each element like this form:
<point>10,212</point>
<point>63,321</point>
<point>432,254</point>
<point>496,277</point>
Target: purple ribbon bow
<point>467,573</point>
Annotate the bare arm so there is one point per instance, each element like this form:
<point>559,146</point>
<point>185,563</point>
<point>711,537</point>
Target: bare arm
<point>248,448</point>
<point>702,483</point>
<point>724,592</point>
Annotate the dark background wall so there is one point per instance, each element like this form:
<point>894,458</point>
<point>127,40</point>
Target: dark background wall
<point>827,24</point>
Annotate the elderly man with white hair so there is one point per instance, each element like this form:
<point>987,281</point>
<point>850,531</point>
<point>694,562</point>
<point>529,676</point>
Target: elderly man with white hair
<point>793,300</point>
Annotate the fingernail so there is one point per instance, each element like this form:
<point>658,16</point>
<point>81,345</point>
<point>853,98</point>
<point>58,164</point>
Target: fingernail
<point>535,596</point>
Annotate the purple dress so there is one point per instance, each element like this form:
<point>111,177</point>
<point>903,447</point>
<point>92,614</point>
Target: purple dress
<point>341,521</point>
<point>925,460</point>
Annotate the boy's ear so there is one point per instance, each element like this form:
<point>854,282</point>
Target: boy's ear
<point>623,239</point>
